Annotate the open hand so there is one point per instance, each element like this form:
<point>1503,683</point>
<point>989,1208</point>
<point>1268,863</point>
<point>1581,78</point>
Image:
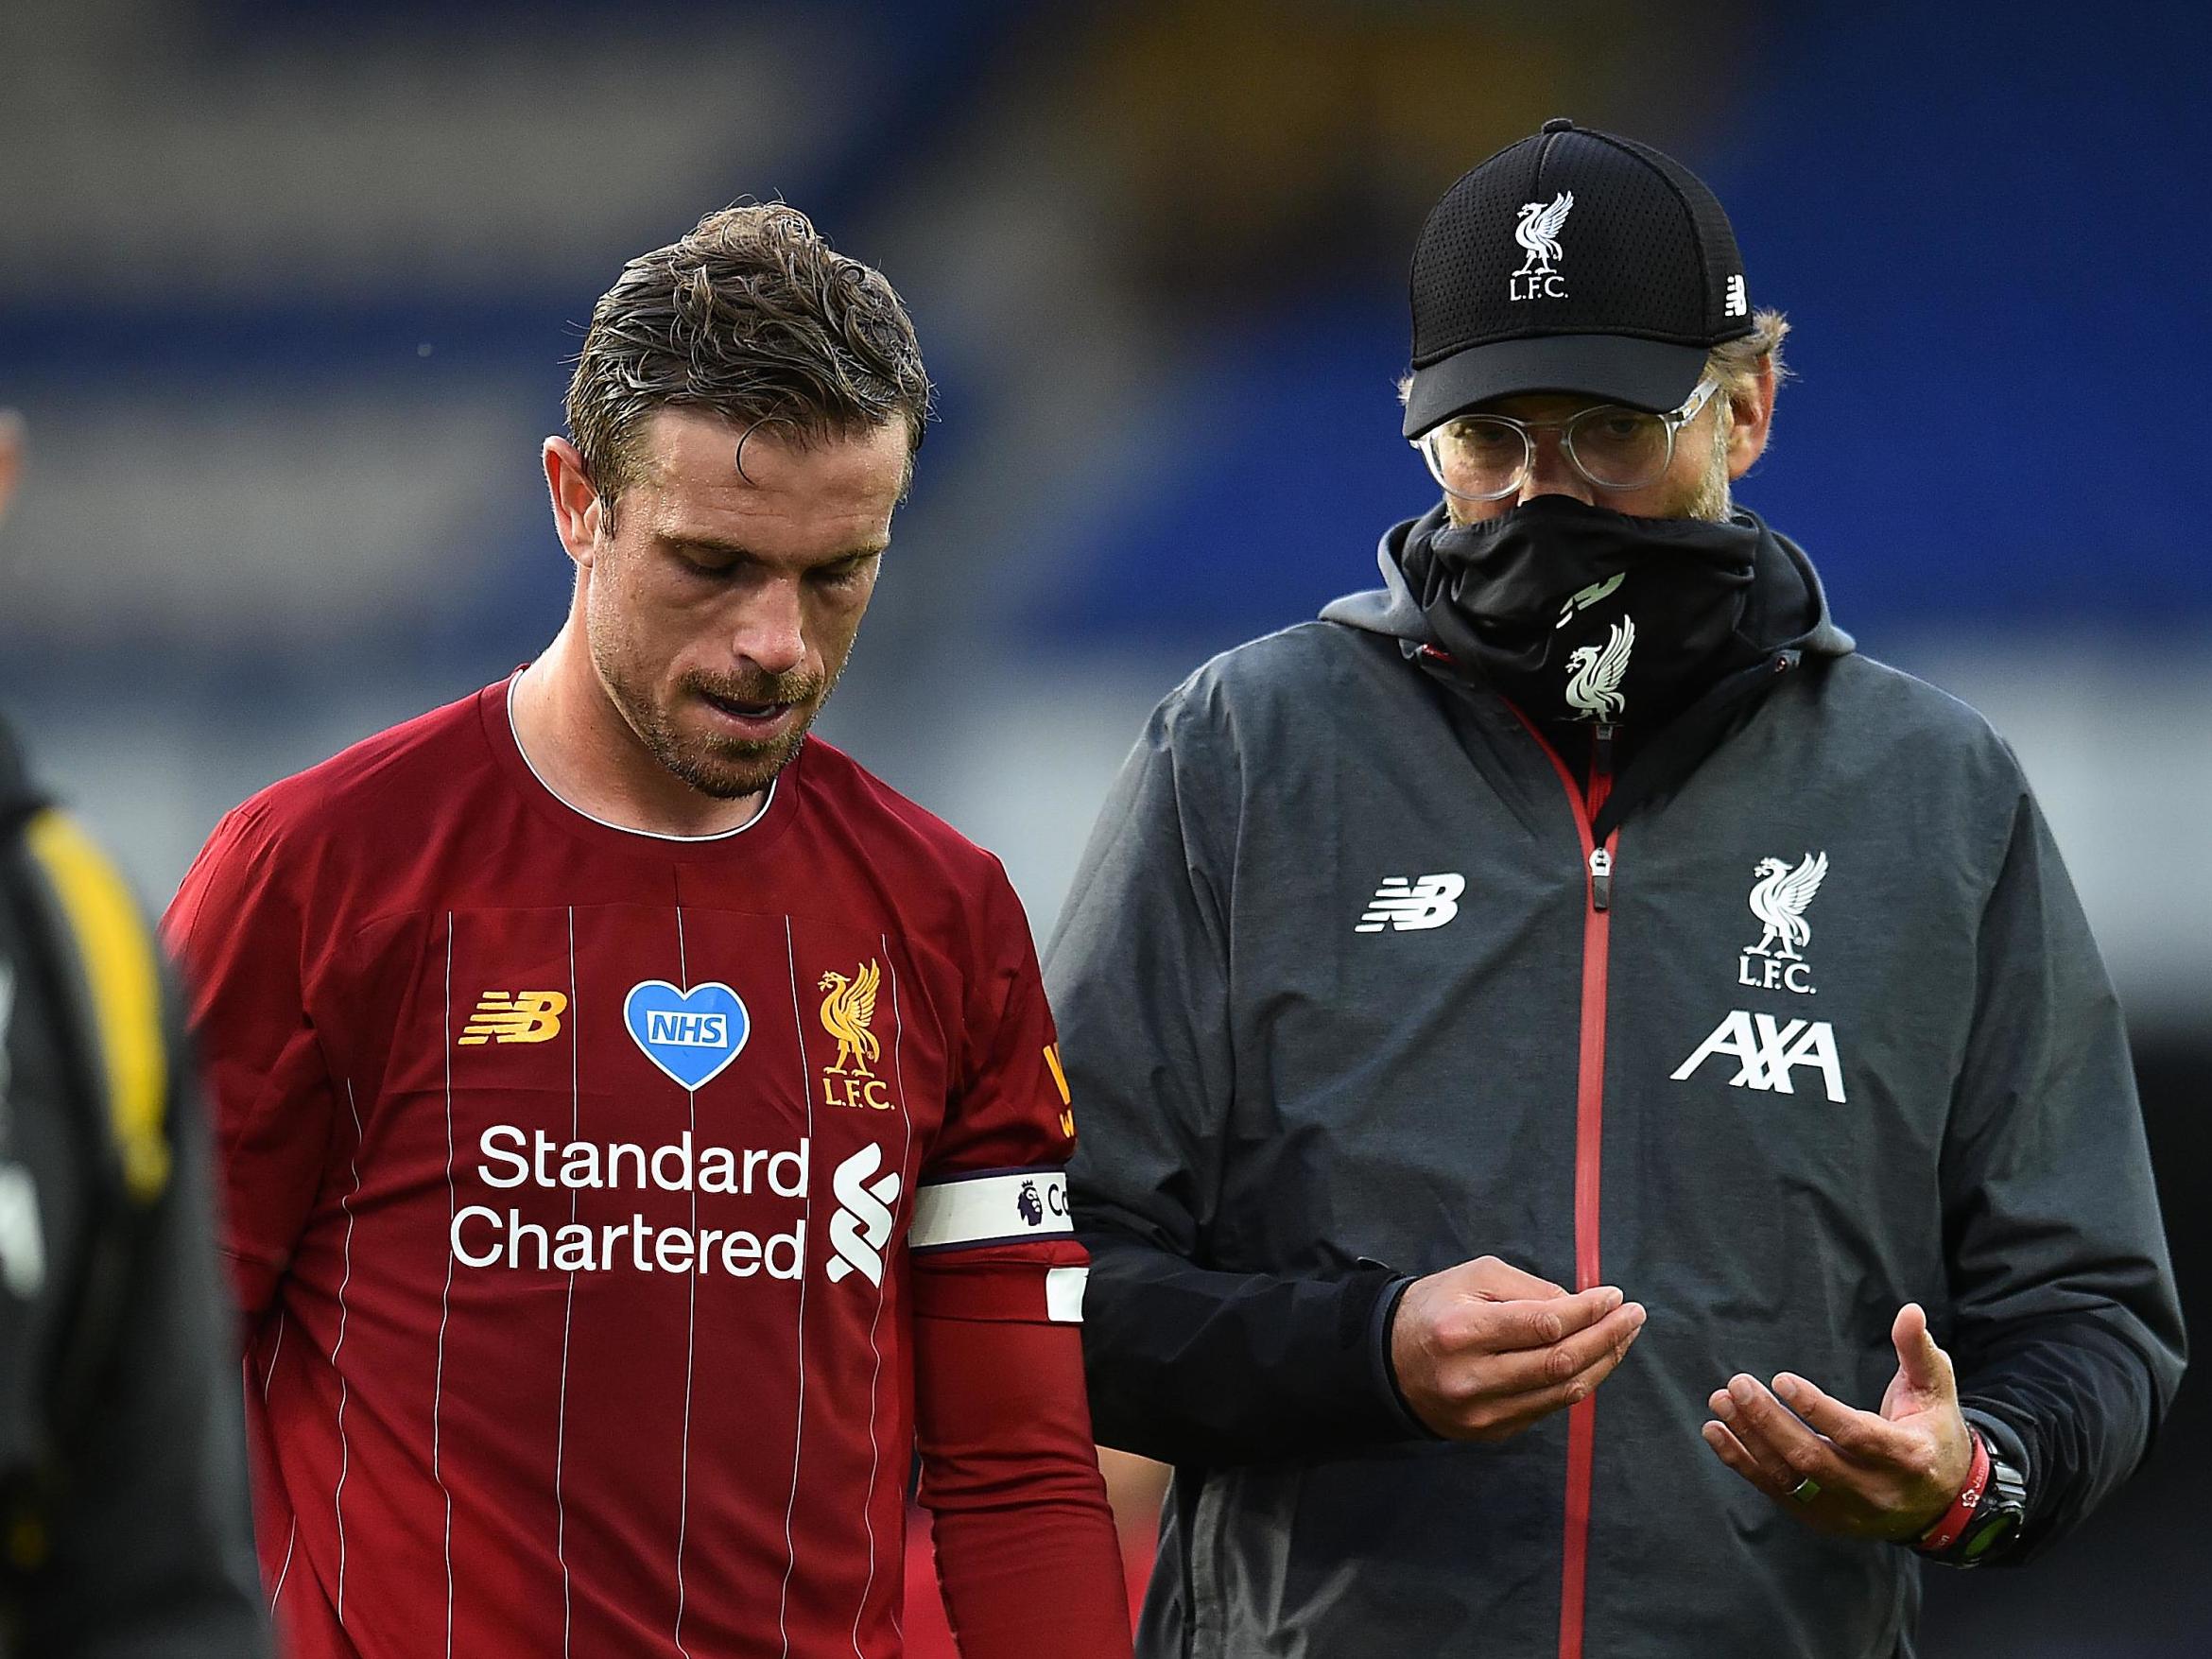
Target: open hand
<point>1862,1474</point>
<point>1483,1349</point>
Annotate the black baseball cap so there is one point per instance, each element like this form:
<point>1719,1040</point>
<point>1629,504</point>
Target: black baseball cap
<point>1572,261</point>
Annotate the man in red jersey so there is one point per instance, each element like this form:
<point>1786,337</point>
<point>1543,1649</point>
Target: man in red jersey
<point>641,1128</point>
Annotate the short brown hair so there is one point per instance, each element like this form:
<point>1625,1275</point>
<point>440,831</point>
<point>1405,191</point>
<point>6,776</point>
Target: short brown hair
<point>753,316</point>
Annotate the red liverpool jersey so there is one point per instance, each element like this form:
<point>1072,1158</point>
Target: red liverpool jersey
<point>583,1187</point>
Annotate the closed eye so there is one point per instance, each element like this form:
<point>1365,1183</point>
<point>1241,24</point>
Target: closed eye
<point>844,573</point>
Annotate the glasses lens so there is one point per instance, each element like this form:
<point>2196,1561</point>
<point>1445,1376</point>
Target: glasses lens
<point>1617,448</point>
<point>1475,457</point>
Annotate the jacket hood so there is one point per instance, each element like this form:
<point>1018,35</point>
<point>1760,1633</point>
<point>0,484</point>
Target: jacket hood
<point>1788,609</point>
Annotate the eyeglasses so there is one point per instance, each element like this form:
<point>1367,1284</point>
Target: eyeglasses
<point>1482,457</point>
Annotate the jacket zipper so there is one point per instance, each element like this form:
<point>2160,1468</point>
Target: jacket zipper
<point>1599,864</point>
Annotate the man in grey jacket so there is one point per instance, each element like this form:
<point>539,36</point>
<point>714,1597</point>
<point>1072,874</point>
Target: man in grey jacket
<point>1603,1127</point>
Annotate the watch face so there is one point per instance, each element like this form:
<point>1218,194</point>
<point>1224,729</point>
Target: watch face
<point>1987,1532</point>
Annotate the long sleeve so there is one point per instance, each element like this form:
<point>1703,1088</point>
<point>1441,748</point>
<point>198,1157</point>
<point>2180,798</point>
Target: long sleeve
<point>236,927</point>
<point>1188,1362</point>
<point>1027,1553</point>
<point>2069,1337</point>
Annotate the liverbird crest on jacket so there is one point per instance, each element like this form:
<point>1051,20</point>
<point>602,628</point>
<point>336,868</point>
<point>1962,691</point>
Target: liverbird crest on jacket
<point>1594,689</point>
<point>1778,899</point>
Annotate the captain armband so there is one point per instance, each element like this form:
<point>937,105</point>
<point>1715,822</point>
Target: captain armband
<point>994,1208</point>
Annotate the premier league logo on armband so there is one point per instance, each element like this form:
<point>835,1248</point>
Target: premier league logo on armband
<point>689,1034</point>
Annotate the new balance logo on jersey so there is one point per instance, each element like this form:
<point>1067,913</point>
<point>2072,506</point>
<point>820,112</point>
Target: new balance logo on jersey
<point>515,1016</point>
<point>1410,906</point>
<point>863,1223</point>
<point>1767,1052</point>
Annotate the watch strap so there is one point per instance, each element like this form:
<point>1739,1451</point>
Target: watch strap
<point>1951,1524</point>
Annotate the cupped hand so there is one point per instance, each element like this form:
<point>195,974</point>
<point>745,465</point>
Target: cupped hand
<point>1483,1350</point>
<point>1888,1473</point>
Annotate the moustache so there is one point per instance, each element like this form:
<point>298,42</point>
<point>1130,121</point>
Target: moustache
<point>799,686</point>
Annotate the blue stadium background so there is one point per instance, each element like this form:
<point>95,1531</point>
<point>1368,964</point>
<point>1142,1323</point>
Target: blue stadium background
<point>286,292</point>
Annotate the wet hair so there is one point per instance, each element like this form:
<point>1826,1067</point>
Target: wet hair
<point>753,316</point>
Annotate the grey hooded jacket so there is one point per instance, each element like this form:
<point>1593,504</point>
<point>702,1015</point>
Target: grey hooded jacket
<point>1346,995</point>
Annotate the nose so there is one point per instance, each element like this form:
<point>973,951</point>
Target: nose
<point>769,633</point>
<point>1551,474</point>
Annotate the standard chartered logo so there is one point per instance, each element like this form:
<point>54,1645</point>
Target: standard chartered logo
<point>481,1236</point>
<point>510,1157</point>
<point>863,1221</point>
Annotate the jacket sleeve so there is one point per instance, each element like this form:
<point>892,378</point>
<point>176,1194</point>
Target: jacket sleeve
<point>2068,1335</point>
<point>153,1547</point>
<point>1190,1361</point>
<point>149,1547</point>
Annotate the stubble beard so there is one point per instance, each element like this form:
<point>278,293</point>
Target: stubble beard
<point>725,768</point>
<point>1712,500</point>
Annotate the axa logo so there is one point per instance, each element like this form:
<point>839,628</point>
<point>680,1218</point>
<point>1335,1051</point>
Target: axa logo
<point>1779,896</point>
<point>1410,906</point>
<point>848,1014</point>
<point>1768,1051</point>
<point>862,1223</point>
<point>1537,231</point>
<point>515,1016</point>
<point>1594,673</point>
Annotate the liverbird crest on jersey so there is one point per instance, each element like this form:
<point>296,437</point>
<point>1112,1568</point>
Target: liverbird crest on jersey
<point>847,1012</point>
<point>1595,673</point>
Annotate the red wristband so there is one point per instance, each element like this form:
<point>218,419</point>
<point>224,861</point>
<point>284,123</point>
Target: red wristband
<point>1952,1522</point>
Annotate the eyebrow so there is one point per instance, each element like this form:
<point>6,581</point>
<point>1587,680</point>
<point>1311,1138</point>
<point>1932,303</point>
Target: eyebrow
<point>738,550</point>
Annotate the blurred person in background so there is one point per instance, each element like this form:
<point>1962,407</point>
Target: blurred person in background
<point>123,1513</point>
<point>1579,909</point>
<point>643,1126</point>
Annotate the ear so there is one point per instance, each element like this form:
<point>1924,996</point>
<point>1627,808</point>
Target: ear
<point>1749,417</point>
<point>10,454</point>
<point>576,509</point>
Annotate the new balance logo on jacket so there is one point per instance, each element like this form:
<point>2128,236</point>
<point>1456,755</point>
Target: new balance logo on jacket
<point>1410,906</point>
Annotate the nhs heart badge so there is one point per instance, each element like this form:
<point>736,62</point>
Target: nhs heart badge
<point>689,1034</point>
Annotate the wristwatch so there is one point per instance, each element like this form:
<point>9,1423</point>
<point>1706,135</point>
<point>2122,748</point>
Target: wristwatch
<point>1987,1515</point>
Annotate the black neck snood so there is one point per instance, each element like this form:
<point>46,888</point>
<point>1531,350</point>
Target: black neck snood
<point>1578,614</point>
